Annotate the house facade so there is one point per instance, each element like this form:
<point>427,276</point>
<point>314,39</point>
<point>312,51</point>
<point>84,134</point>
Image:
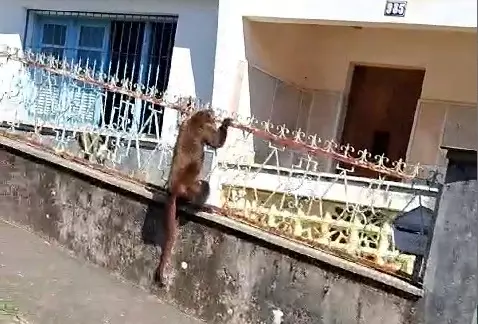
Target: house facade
<point>326,67</point>
<point>395,80</point>
<point>327,61</point>
<point>124,39</point>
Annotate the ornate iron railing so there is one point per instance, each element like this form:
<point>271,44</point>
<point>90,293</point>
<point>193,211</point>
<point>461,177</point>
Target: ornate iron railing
<point>268,176</point>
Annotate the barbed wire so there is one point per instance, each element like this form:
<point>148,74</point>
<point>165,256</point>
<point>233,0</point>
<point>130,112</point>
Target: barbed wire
<point>298,201</point>
<point>297,140</point>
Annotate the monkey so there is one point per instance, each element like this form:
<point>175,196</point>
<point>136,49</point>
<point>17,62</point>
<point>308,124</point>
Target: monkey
<point>183,184</point>
<point>94,147</point>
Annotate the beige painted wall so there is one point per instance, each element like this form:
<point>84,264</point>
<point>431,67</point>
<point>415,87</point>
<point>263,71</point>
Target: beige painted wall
<point>284,104</point>
<point>317,60</point>
<point>319,57</point>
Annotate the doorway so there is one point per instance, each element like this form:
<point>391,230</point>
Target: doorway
<point>381,110</point>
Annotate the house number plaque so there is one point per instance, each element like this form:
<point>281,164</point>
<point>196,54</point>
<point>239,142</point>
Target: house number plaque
<point>395,8</point>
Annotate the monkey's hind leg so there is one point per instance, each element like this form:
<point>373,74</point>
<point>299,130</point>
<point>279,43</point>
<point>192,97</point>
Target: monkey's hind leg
<point>197,196</point>
<point>199,193</point>
<point>168,244</point>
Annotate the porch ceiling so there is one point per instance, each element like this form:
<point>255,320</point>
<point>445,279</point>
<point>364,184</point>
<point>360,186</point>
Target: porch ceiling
<point>360,24</point>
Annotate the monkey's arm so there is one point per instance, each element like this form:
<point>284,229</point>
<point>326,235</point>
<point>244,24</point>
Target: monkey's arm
<point>217,137</point>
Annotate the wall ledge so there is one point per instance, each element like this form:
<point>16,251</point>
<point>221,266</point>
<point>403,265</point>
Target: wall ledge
<point>140,189</point>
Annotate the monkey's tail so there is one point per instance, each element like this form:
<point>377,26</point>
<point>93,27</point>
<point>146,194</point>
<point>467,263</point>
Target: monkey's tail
<point>170,237</point>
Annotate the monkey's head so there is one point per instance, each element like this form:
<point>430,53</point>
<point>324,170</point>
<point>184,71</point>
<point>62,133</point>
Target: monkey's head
<point>203,117</point>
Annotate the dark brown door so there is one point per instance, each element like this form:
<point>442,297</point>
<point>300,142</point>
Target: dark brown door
<point>381,110</point>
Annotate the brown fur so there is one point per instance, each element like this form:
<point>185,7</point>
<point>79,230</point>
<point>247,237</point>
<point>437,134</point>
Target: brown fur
<point>188,158</point>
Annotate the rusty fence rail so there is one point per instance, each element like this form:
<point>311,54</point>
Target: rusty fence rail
<point>282,180</point>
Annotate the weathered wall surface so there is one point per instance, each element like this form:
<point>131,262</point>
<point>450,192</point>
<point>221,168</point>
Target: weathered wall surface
<point>450,277</point>
<point>229,278</point>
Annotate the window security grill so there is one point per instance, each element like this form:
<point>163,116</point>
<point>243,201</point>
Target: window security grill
<point>133,47</point>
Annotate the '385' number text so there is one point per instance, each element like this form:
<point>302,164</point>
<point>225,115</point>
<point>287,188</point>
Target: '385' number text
<point>395,8</point>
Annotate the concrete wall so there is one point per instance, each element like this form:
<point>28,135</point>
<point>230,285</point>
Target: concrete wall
<point>229,278</point>
<point>300,74</point>
<point>450,282</point>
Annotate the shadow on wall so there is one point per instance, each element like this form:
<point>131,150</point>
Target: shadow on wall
<point>195,44</point>
<point>276,98</point>
<point>12,20</point>
<point>269,97</point>
<point>461,172</point>
<point>153,230</point>
<point>282,104</point>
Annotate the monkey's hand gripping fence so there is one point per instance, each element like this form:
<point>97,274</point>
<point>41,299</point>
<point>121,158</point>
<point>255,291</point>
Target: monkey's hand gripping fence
<point>267,175</point>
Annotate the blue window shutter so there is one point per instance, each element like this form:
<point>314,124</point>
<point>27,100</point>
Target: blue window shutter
<point>91,42</point>
<point>52,39</point>
<point>63,101</point>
